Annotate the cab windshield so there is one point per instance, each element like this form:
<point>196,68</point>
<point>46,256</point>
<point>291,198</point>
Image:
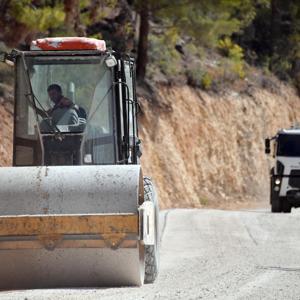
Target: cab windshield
<point>71,95</point>
<point>83,82</point>
<point>288,145</point>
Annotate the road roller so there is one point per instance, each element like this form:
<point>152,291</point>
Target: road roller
<point>75,208</point>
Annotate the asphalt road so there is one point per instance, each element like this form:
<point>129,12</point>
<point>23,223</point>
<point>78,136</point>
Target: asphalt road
<point>212,254</point>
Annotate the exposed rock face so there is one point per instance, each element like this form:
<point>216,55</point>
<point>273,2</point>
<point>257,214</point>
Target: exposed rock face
<point>202,149</point>
<point>6,134</point>
<point>205,149</point>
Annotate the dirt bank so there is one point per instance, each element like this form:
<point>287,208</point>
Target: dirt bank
<point>6,124</point>
<point>204,149</point>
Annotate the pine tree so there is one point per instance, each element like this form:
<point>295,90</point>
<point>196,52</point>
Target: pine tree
<point>204,21</point>
<point>22,19</point>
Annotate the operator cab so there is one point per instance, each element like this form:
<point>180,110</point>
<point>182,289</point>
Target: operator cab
<point>94,119</point>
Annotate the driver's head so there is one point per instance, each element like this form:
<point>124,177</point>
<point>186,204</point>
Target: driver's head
<point>54,92</point>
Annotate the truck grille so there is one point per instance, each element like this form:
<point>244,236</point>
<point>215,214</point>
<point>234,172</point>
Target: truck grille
<point>294,180</point>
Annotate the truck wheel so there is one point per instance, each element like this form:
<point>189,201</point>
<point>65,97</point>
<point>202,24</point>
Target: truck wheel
<point>275,205</point>
<point>151,251</point>
<point>286,207</point>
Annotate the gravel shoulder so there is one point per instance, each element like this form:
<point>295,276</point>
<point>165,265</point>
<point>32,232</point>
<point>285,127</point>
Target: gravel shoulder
<point>212,254</point>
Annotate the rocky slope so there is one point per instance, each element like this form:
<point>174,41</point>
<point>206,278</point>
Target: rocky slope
<point>6,122</point>
<point>202,149</point>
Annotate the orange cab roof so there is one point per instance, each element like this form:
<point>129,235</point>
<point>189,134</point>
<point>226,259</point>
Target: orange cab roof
<point>68,43</point>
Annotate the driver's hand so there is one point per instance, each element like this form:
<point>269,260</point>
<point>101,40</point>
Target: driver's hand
<point>65,102</point>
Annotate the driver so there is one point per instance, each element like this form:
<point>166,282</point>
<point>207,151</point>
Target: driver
<point>64,111</point>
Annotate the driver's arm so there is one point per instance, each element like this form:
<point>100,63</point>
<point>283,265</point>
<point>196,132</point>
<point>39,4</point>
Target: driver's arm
<point>42,113</point>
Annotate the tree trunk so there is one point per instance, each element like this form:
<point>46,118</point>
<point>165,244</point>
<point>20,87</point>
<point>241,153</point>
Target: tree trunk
<point>72,19</point>
<point>142,58</point>
<point>275,28</point>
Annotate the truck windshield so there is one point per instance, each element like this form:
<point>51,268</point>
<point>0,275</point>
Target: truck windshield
<point>288,145</point>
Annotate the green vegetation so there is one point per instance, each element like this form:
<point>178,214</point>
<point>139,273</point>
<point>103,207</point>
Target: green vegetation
<point>168,60</point>
<point>209,42</point>
<point>204,201</point>
<point>235,63</point>
<point>36,18</point>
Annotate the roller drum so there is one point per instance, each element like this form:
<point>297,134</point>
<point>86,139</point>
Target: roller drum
<point>79,191</point>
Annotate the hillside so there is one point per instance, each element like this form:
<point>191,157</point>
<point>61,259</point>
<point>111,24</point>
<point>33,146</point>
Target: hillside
<point>208,150</point>
<point>216,78</point>
<point>202,149</point>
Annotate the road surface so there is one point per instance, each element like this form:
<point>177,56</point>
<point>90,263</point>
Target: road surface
<point>212,254</point>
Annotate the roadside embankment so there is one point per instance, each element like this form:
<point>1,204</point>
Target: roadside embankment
<point>208,150</point>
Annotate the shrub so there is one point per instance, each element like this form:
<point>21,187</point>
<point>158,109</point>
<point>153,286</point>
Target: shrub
<point>198,77</point>
<point>163,54</point>
<point>235,54</point>
<point>6,74</point>
<point>206,81</point>
<point>230,49</point>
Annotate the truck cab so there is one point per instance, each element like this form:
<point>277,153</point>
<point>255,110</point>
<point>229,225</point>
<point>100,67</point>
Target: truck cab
<point>285,174</point>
